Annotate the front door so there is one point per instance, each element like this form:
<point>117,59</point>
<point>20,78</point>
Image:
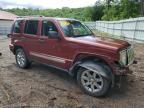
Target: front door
<point>51,49</point>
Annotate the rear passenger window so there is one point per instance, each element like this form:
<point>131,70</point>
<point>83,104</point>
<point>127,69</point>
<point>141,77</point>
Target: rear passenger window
<point>17,25</point>
<point>31,27</point>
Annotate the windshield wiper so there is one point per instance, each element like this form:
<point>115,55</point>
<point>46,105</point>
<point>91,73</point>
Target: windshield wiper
<point>83,35</point>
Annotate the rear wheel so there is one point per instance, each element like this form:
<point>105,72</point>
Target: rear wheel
<point>92,82</point>
<point>21,59</point>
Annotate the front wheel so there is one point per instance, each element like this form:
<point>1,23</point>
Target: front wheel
<point>92,82</point>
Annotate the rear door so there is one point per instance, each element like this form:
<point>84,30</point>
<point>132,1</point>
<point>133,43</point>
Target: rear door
<point>31,37</point>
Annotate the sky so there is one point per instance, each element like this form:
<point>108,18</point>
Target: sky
<point>44,4</point>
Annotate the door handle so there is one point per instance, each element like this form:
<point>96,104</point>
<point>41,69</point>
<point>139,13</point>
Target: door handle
<point>41,40</point>
<point>23,38</point>
<point>56,47</point>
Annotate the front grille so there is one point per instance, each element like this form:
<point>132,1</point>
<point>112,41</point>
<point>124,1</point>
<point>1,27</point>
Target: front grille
<point>130,55</point>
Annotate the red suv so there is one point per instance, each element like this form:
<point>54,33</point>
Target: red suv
<point>69,45</point>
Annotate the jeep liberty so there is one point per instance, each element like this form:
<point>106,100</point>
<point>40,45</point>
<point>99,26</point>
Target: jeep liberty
<point>69,45</point>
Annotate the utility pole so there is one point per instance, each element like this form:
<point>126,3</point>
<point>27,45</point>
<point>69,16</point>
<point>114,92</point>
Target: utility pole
<point>108,5</point>
<point>108,2</point>
<point>142,7</point>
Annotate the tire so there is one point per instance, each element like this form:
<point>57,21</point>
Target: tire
<point>21,59</point>
<point>93,85</point>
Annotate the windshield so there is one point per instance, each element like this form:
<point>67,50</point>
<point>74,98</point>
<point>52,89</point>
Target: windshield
<point>73,28</point>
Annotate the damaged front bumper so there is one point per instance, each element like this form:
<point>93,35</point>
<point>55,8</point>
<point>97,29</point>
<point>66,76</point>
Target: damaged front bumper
<point>123,70</point>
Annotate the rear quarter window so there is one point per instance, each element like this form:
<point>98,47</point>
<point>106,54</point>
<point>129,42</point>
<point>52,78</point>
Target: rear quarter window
<point>17,26</point>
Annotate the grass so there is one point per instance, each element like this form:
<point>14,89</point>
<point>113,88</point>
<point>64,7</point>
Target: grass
<point>103,34</point>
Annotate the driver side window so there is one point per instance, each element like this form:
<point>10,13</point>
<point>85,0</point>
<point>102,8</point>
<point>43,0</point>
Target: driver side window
<point>47,27</point>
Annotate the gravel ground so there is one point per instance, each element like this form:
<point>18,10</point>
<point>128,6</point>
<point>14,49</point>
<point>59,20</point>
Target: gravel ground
<point>45,87</point>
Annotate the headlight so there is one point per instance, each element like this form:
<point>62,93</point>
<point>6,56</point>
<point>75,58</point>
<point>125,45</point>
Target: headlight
<point>123,57</point>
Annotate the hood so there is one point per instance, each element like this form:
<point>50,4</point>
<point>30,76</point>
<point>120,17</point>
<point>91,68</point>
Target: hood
<point>103,42</point>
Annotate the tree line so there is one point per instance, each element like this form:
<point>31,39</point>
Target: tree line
<point>102,10</point>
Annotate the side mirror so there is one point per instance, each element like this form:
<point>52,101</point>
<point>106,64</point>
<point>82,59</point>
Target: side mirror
<point>9,35</point>
<point>53,35</point>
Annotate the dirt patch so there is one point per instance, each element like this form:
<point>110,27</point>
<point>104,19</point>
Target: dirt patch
<point>41,86</point>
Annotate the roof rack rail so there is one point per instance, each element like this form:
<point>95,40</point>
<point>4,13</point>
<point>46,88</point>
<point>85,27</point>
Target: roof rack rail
<point>30,16</point>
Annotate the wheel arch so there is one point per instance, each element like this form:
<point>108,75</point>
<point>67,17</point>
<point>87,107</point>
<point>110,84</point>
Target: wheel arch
<point>82,59</point>
<point>17,47</point>
<point>91,56</point>
<point>20,46</point>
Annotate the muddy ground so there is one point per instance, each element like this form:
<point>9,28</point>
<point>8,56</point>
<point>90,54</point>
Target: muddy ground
<point>44,87</point>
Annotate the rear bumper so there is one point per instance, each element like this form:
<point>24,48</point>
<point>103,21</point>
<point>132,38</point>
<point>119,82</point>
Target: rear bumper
<point>11,47</point>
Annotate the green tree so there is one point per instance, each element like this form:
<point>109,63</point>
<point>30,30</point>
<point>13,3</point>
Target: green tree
<point>129,9</point>
<point>97,11</point>
<point>121,10</point>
